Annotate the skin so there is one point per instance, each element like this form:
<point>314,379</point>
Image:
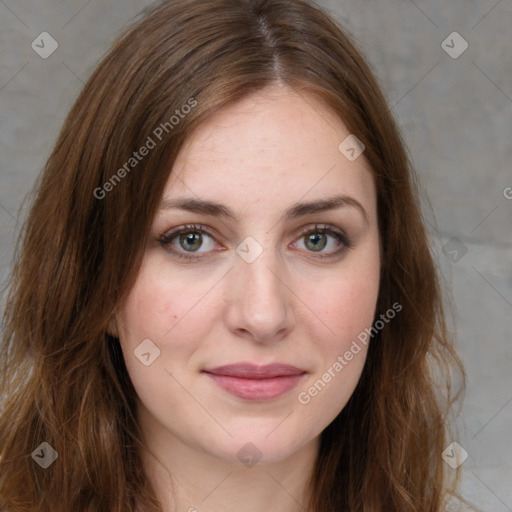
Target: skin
<point>259,156</point>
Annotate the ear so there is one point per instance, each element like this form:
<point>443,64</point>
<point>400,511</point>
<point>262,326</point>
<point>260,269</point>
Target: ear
<point>112,327</point>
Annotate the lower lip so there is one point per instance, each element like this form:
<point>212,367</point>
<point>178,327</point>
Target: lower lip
<point>256,389</point>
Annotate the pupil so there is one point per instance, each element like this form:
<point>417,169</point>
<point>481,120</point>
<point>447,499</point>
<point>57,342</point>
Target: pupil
<point>189,239</point>
<point>317,244</point>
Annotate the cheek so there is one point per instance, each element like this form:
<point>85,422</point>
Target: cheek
<point>147,312</point>
<point>151,318</point>
<point>355,310</point>
<point>162,307</point>
<point>341,353</point>
<point>349,305</point>
<point>156,304</point>
<point>351,310</point>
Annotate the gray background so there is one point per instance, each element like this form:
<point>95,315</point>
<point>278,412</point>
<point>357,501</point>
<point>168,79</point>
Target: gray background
<point>456,117</point>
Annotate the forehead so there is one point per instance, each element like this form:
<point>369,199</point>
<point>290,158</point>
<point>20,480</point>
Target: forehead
<point>271,147</point>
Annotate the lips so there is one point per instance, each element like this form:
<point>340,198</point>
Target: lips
<point>251,371</point>
<point>256,383</point>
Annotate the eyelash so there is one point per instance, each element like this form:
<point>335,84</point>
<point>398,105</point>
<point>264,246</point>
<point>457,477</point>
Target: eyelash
<point>166,238</point>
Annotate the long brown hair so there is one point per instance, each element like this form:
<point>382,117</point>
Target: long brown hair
<point>63,378</point>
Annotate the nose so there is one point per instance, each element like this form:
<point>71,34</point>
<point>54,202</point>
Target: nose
<point>259,298</point>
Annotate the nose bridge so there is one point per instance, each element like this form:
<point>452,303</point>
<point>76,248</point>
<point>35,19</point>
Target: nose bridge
<point>259,297</point>
<point>261,274</point>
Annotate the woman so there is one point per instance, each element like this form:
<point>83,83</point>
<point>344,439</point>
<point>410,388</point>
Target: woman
<point>225,296</point>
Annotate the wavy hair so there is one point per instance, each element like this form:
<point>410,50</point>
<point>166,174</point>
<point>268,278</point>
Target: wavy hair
<point>63,379</point>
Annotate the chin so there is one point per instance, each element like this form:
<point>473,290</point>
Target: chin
<point>256,446</point>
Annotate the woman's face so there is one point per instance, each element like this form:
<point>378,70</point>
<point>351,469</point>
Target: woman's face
<point>272,279</point>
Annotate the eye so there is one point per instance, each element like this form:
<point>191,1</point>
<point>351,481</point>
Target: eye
<point>186,240</point>
<point>316,239</point>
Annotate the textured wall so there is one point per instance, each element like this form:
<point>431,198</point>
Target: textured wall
<point>454,105</point>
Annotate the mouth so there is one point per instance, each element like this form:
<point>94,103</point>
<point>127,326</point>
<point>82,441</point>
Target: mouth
<point>256,383</point>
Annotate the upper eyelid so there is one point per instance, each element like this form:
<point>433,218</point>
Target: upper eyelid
<point>171,234</point>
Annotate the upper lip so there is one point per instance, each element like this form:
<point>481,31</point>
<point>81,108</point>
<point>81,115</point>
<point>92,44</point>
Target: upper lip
<point>252,371</point>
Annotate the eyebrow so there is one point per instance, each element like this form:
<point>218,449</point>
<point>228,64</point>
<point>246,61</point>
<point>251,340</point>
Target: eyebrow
<point>297,210</point>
